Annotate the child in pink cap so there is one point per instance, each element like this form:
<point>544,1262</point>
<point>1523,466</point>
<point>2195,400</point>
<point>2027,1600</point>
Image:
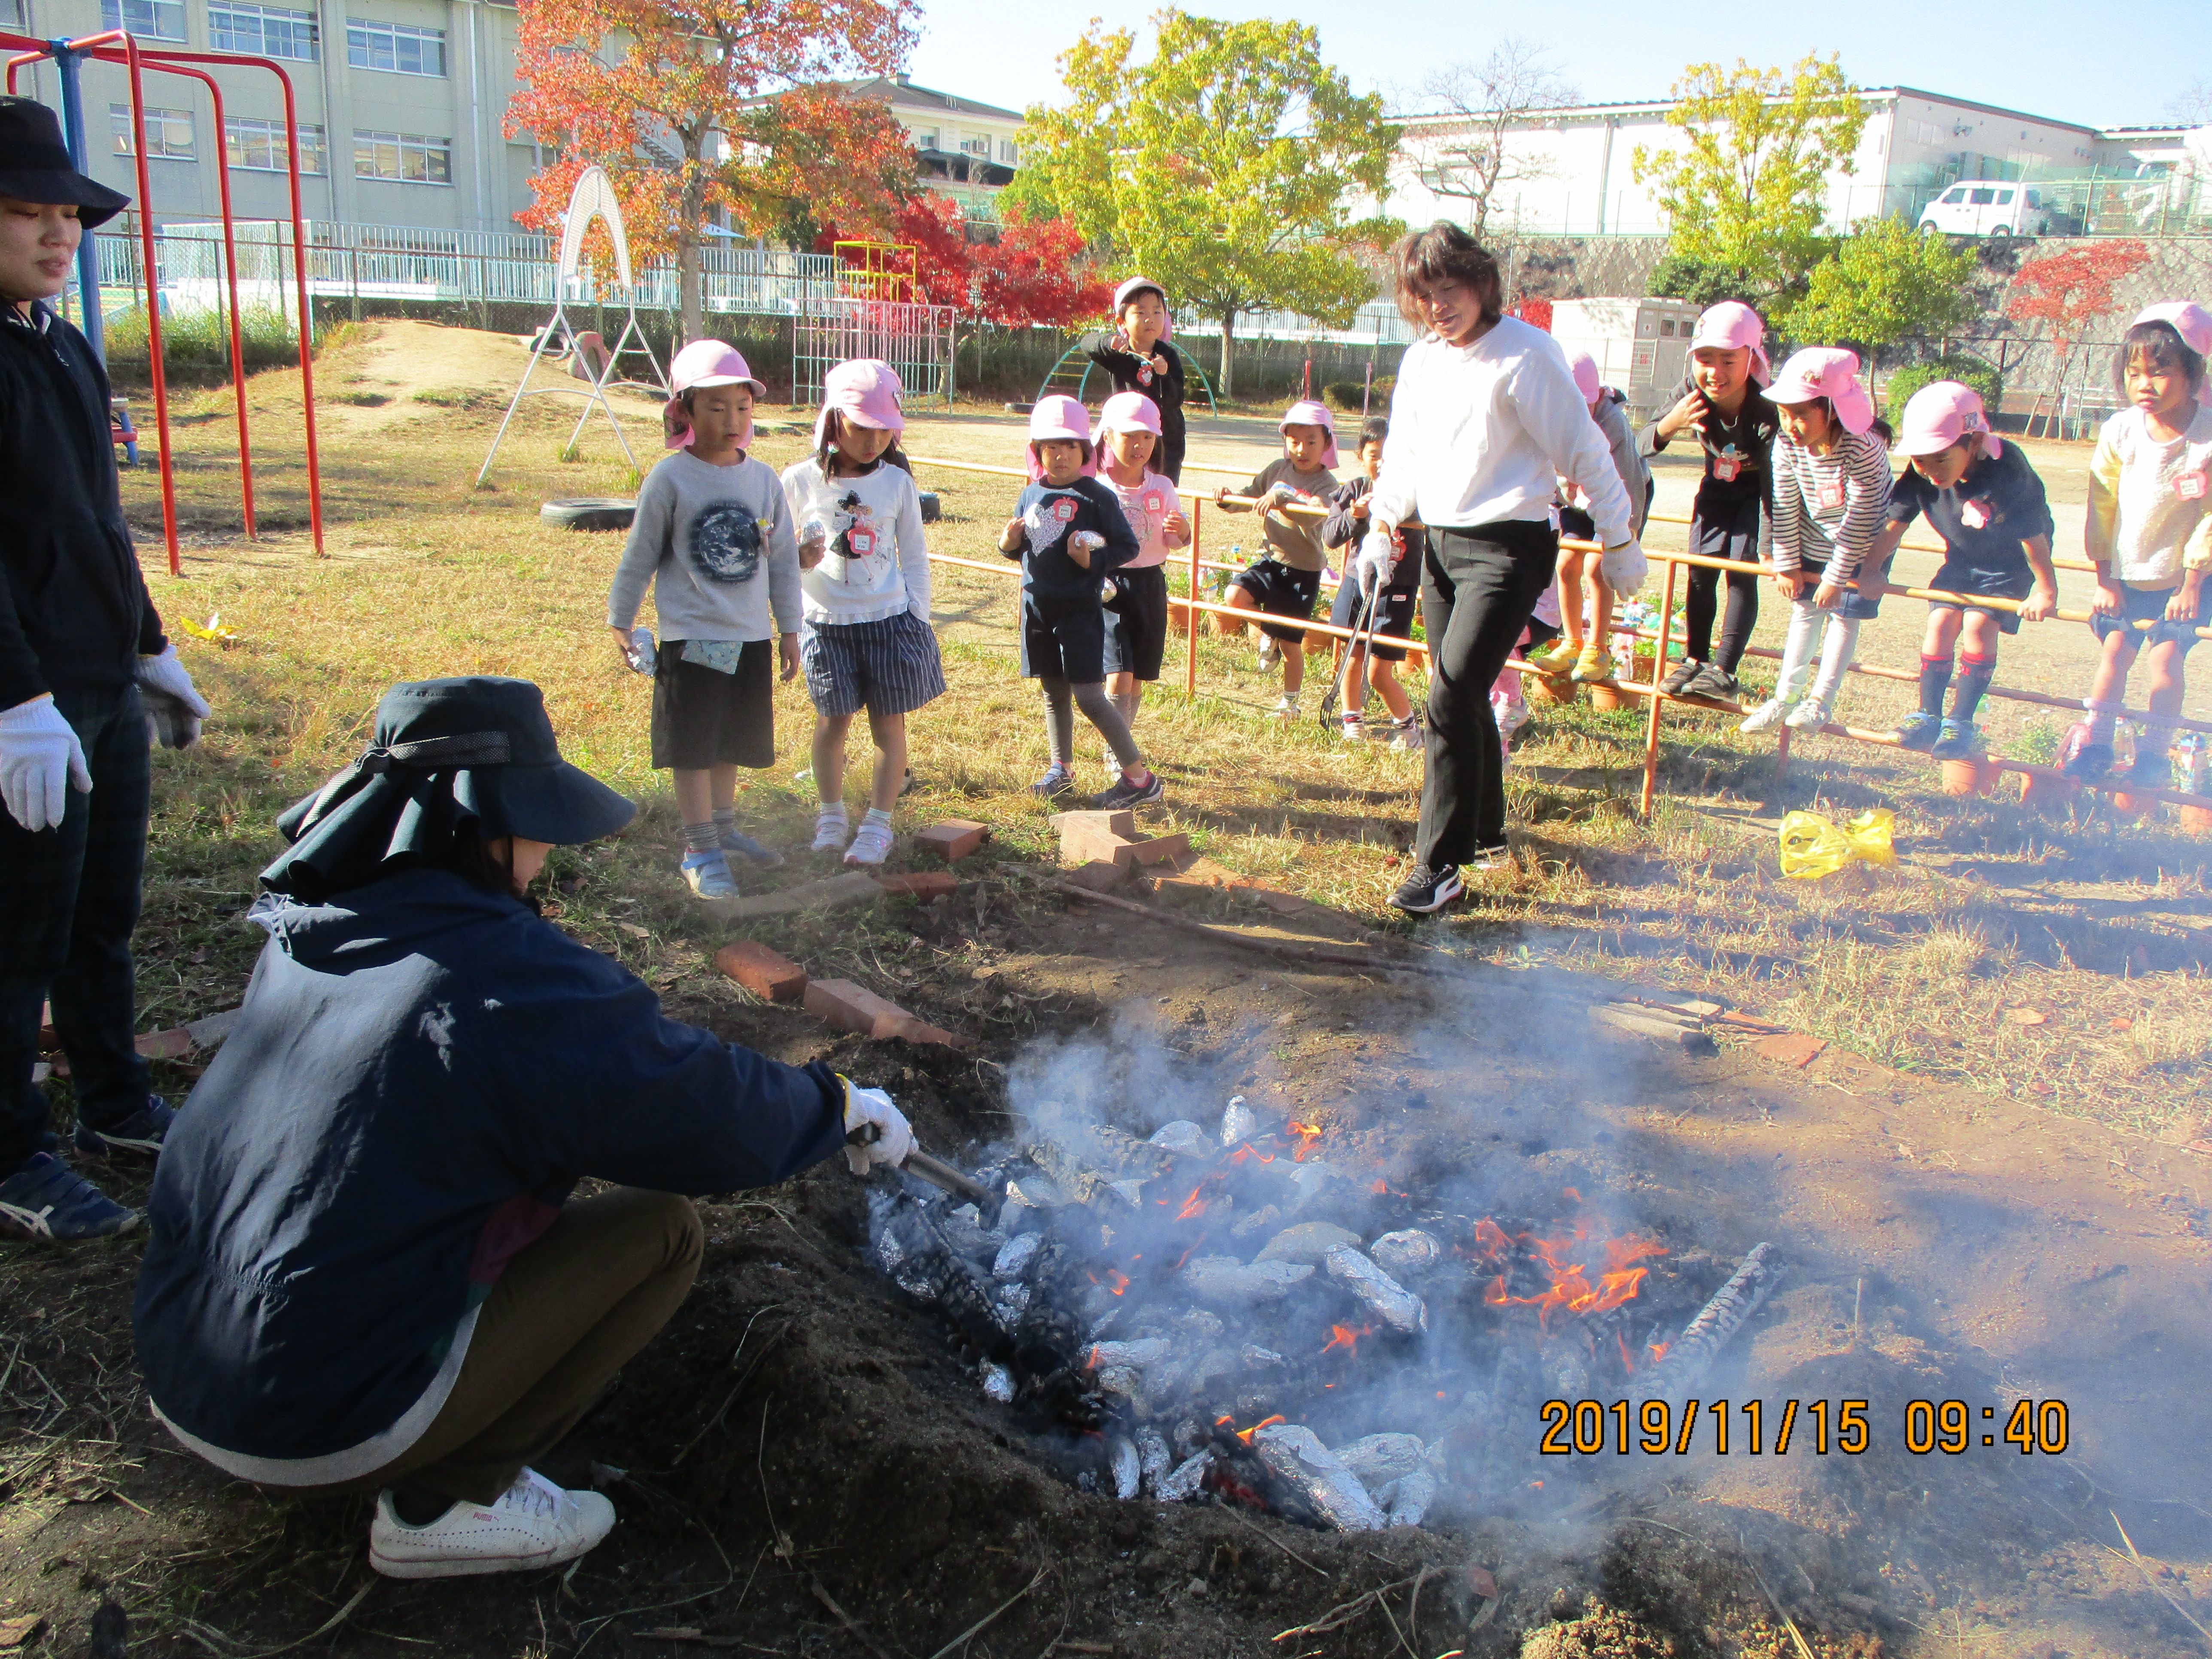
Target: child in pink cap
<point>1069,533</point>
<point>1128,438</point>
<point>1731,518</point>
<point>1831,464</point>
<point>864,580</point>
<point>1986,503</point>
<point>2150,532</point>
<point>1138,358</point>
<point>713,538</point>
<point>1585,659</point>
<point>1285,580</point>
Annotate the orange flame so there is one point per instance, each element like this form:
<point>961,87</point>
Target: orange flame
<point>1659,1350</point>
<point>1116,1280</point>
<point>1245,1435</point>
<point>1193,1206</point>
<point>1307,1133</point>
<point>1569,1285</point>
<point>1344,1337</point>
<point>1492,1238</point>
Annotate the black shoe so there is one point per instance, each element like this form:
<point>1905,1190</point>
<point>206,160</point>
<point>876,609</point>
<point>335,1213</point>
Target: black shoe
<point>47,1199</point>
<point>1679,676</point>
<point>1426,891</point>
<point>1125,793</point>
<point>138,1136</point>
<point>2089,762</point>
<point>1711,680</point>
<point>2152,769</point>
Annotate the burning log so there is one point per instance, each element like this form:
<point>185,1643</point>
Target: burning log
<point>1380,1294</point>
<point>1719,1320</point>
<point>1294,1456</point>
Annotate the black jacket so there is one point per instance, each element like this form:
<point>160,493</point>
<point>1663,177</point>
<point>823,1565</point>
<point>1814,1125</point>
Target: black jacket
<point>1131,373</point>
<point>74,609</point>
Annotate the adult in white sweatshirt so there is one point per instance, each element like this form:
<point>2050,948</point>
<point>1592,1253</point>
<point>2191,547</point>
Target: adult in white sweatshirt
<point>1485,420</point>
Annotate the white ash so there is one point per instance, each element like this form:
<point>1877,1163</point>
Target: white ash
<point>1380,1294</point>
<point>1015,1255</point>
<point>1295,1455</point>
<point>1565,1374</point>
<point>1128,1467</point>
<point>1144,1351</point>
<point>1406,1254</point>
<point>1379,1459</point>
<point>1311,1176</point>
<point>1154,1460</point>
<point>1186,1480</point>
<point>1407,1500</point>
<point>1224,1280</point>
<point>1124,1380</point>
<point>1258,1222</point>
<point>1253,1357</point>
<point>1201,1326</point>
<point>1182,1137</point>
<point>1308,1241</point>
<point>1132,1192</point>
<point>1239,1122</point>
<point>997,1383</point>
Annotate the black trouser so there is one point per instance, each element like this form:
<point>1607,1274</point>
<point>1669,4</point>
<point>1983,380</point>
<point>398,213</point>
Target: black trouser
<point>1724,531</point>
<point>68,898</point>
<point>1479,588</point>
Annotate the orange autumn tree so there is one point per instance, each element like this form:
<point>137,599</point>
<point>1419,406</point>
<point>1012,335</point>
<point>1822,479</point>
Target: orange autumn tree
<point>668,96</point>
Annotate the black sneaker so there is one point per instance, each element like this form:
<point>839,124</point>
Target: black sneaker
<point>1711,680</point>
<point>2090,762</point>
<point>2152,769</point>
<point>1680,675</point>
<point>138,1136</point>
<point>46,1198</point>
<point>1427,889</point>
<point>1125,793</point>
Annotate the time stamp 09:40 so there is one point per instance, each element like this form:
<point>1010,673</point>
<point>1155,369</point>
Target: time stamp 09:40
<point>1588,1428</point>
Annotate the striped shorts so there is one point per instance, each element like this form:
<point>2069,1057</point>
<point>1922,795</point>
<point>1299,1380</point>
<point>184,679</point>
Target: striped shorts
<point>886,667</point>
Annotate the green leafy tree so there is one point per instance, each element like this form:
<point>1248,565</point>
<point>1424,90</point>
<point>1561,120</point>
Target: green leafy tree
<point>1886,282</point>
<point>1225,166</point>
<point>1746,195</point>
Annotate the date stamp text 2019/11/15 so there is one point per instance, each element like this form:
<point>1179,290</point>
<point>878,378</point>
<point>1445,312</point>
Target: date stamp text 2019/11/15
<point>1591,1428</point>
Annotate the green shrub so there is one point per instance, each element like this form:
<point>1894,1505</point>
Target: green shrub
<point>1976,372</point>
<point>1346,394</point>
<point>196,345</point>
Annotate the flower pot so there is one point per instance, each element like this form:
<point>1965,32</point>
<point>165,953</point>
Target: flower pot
<point>2132,807</point>
<point>1639,668</point>
<point>1178,617</point>
<point>2047,792</point>
<point>1973,775</point>
<point>1547,687</point>
<point>2196,820</point>
<point>1605,696</point>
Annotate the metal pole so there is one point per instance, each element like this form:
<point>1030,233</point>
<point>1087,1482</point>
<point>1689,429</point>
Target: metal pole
<point>88,252</point>
<point>1658,697</point>
<point>1190,664</point>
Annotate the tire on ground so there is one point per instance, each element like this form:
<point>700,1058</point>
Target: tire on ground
<point>590,513</point>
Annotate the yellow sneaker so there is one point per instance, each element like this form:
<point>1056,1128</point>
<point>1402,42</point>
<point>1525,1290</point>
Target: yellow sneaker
<point>1553,659</point>
<point>1593,667</point>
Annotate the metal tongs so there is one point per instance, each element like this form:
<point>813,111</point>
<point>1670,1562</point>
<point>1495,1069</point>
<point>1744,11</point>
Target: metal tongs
<point>938,1173</point>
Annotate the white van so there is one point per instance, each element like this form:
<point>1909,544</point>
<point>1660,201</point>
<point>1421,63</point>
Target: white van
<point>1987,207</point>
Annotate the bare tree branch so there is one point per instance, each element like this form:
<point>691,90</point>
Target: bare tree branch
<point>1469,157</point>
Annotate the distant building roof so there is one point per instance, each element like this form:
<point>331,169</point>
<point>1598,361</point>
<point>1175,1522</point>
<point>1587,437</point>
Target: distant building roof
<point>1661,105</point>
<point>901,93</point>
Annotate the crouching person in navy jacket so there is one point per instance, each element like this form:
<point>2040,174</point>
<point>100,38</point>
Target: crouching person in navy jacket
<point>364,1272</point>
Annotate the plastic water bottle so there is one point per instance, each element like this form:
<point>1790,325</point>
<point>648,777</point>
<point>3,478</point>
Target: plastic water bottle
<point>2189,763</point>
<point>640,651</point>
<point>2124,745</point>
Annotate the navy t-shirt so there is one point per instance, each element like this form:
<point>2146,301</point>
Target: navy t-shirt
<point>1050,514</point>
<point>1997,504</point>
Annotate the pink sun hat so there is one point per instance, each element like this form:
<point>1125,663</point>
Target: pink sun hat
<point>701,364</point>
<point>1732,325</point>
<point>1939,415</point>
<point>2193,324</point>
<point>1128,411</point>
<point>1056,419</point>
<point>1312,414</point>
<point>866,390</point>
<point>1827,371</point>
<point>1583,367</point>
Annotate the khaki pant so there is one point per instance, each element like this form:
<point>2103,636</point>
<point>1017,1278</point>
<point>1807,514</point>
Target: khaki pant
<point>566,1315</point>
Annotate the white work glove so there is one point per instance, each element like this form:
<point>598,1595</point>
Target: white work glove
<point>1625,567</point>
<point>165,677</point>
<point>1378,561</point>
<point>876,1131</point>
<point>39,760</point>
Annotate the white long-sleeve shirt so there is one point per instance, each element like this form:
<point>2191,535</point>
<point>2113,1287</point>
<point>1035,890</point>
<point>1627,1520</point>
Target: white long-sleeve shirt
<point>877,562</point>
<point>1484,432</point>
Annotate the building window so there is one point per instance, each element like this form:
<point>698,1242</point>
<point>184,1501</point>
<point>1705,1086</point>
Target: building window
<point>398,48</point>
<point>157,20</point>
<point>926,139</point>
<point>405,156</point>
<point>168,132</point>
<point>977,147</point>
<point>1006,152</point>
<point>257,146</point>
<point>262,31</point>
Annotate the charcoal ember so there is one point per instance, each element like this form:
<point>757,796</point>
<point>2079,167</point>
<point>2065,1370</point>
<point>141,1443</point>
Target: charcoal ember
<point>1183,1137</point>
<point>1311,1179</point>
<point>1015,1255</point>
<point>1566,1373</point>
<point>1308,1241</point>
<point>1013,1301</point>
<point>1214,1364</point>
<point>965,1232</point>
<point>1260,1399</point>
<point>1296,1458</point>
<point>1035,1190</point>
<point>1253,1357</point>
<point>1406,1254</point>
<point>1154,1460</point>
<point>1183,1483</point>
<point>1226,1280</point>
<point>1199,1326</point>
<point>955,1284</point>
<point>1239,1122</point>
<point>1379,1459</point>
<point>1108,1321</point>
<point>1190,1434</point>
<point>1074,1180</point>
<point>1258,1222</point>
<point>1407,1500</point>
<point>1131,1192</point>
<point>1139,1355</point>
<point>997,1383</point>
<point>1127,1465</point>
<point>1377,1291</point>
<point>1126,1382</point>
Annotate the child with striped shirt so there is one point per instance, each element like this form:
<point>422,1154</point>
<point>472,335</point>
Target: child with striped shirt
<point>1831,470</point>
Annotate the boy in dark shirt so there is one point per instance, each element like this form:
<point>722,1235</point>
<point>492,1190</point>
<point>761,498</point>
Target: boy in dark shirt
<point>1984,499</point>
<point>1285,580</point>
<point>1139,359</point>
<point>1724,404</point>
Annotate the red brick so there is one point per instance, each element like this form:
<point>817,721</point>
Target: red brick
<point>1100,875</point>
<point>841,1003</point>
<point>918,1030</point>
<point>926,885</point>
<point>173,1044</point>
<point>1194,873</point>
<point>1789,1049</point>
<point>1082,843</point>
<point>1162,849</point>
<point>955,838</point>
<point>766,973</point>
<point>1122,823</point>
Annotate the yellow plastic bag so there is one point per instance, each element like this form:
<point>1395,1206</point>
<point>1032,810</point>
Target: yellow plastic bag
<point>215,631</point>
<point>1812,846</point>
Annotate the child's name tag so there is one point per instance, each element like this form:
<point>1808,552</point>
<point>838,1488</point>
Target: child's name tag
<point>2189,486</point>
<point>1064,511</point>
<point>1152,502</point>
<point>1831,494</point>
<point>1975,514</point>
<point>1728,468</point>
<point>1145,375</point>
<point>861,541</point>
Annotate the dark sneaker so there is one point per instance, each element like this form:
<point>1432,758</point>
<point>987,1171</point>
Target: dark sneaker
<point>1711,680</point>
<point>46,1199</point>
<point>139,1136</point>
<point>1427,889</point>
<point>2091,761</point>
<point>1057,784</point>
<point>1679,676</point>
<point>1125,793</point>
<point>1918,730</point>
<point>2152,769</point>
<point>909,781</point>
<point>744,846</point>
<point>1958,740</point>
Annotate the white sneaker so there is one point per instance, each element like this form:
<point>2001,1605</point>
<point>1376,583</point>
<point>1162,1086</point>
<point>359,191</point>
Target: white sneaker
<point>1812,712</point>
<point>532,1524</point>
<point>830,832</point>
<point>1354,728</point>
<point>1405,737</point>
<point>1270,653</point>
<point>1286,708</point>
<point>872,844</point>
<point>1768,715</point>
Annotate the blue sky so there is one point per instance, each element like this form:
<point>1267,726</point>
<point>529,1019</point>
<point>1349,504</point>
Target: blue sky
<point>2113,63</point>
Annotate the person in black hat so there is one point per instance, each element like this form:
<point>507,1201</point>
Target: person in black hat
<point>85,674</point>
<point>364,1271</point>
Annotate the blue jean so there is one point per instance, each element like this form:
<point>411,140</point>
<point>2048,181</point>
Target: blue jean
<point>69,901</point>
